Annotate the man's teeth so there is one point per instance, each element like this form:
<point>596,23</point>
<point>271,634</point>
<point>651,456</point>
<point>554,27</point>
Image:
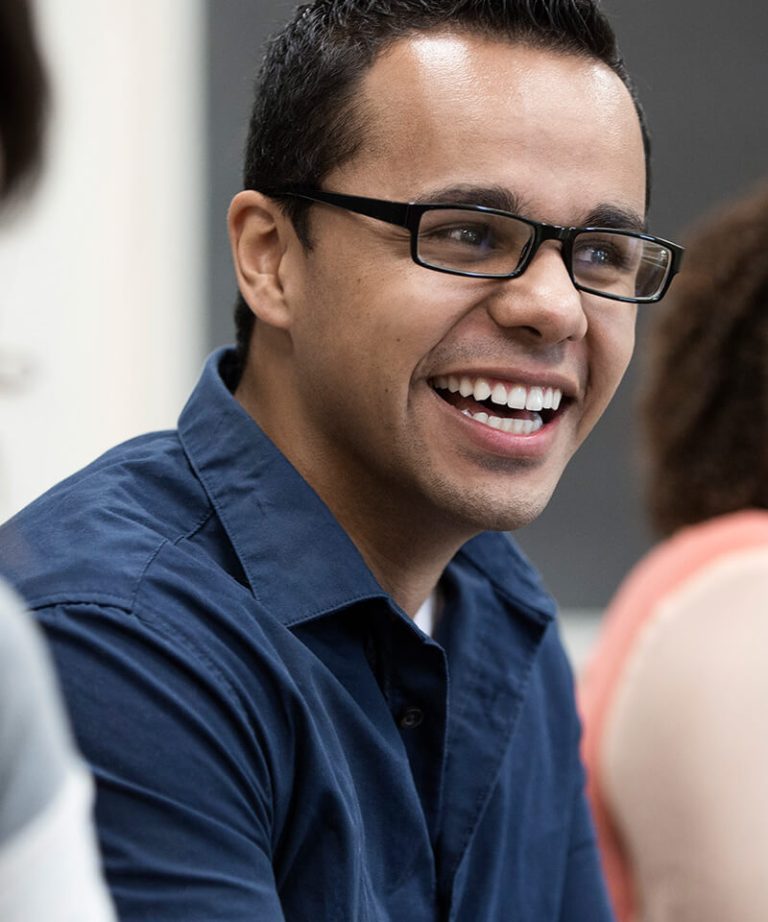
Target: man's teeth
<point>515,426</point>
<point>515,397</point>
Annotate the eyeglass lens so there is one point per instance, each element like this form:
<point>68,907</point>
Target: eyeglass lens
<point>606,262</point>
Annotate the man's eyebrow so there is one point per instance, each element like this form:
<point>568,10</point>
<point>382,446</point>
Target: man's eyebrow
<point>505,200</point>
<point>615,217</point>
<point>465,194</point>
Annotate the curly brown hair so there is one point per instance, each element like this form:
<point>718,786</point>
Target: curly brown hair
<point>705,408</point>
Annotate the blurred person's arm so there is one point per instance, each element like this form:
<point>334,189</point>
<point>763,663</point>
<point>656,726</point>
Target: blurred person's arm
<point>49,867</point>
<point>684,755</point>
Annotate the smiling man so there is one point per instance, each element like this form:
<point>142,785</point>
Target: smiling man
<point>314,678</point>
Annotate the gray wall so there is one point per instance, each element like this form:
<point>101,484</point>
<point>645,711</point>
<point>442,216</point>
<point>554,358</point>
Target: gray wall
<point>236,32</point>
<point>701,68</point>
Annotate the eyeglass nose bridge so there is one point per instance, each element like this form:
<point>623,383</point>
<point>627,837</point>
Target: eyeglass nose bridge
<point>542,233</point>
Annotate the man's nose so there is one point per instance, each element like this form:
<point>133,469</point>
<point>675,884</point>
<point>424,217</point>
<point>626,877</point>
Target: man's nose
<point>542,300</point>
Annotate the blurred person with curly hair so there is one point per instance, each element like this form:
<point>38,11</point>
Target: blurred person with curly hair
<point>49,867</point>
<point>676,727</point>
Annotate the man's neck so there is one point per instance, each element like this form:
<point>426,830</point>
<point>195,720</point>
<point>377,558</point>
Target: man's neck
<point>406,555</point>
<point>406,549</point>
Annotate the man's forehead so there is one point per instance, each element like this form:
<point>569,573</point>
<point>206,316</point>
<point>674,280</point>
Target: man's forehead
<point>431,76</point>
<point>457,109</point>
<point>438,51</point>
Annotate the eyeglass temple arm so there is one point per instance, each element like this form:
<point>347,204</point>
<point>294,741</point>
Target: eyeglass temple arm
<point>390,212</point>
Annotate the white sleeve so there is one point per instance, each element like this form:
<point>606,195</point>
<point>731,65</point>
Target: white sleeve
<point>50,870</point>
<point>35,743</point>
<point>49,864</point>
<point>685,751</point>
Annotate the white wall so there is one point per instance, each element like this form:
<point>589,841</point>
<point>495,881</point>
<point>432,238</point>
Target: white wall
<point>102,275</point>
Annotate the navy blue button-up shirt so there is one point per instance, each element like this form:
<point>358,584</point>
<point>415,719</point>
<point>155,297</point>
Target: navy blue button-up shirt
<point>272,737</point>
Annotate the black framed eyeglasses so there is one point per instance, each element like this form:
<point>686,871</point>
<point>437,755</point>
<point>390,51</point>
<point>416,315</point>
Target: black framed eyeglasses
<point>486,243</point>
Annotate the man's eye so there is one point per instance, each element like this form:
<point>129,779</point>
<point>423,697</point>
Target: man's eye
<point>469,235</point>
<point>599,255</point>
<point>602,255</point>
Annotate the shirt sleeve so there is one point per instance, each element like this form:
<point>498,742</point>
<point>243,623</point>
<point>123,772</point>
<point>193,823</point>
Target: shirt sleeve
<point>686,746</point>
<point>184,809</point>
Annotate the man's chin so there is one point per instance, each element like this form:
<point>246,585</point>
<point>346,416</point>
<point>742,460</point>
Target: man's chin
<point>512,521</point>
<point>508,514</point>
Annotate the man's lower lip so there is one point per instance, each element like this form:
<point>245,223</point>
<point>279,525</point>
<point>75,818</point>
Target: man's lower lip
<point>497,441</point>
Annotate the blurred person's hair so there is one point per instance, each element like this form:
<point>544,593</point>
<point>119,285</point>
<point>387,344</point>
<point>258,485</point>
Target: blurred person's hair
<point>705,407</point>
<point>308,116</point>
<point>23,97</point>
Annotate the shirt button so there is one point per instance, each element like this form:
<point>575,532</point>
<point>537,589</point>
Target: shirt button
<point>411,718</point>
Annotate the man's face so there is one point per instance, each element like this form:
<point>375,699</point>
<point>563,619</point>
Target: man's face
<point>377,342</point>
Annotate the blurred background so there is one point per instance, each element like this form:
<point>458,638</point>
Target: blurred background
<point>116,279</point>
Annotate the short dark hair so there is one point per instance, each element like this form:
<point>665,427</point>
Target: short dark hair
<point>705,406</point>
<point>306,119</point>
<point>23,97</point>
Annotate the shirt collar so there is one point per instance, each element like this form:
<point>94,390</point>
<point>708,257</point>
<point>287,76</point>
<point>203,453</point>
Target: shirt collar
<point>299,561</point>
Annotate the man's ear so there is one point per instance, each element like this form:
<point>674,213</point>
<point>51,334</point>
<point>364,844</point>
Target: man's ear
<point>259,234</point>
